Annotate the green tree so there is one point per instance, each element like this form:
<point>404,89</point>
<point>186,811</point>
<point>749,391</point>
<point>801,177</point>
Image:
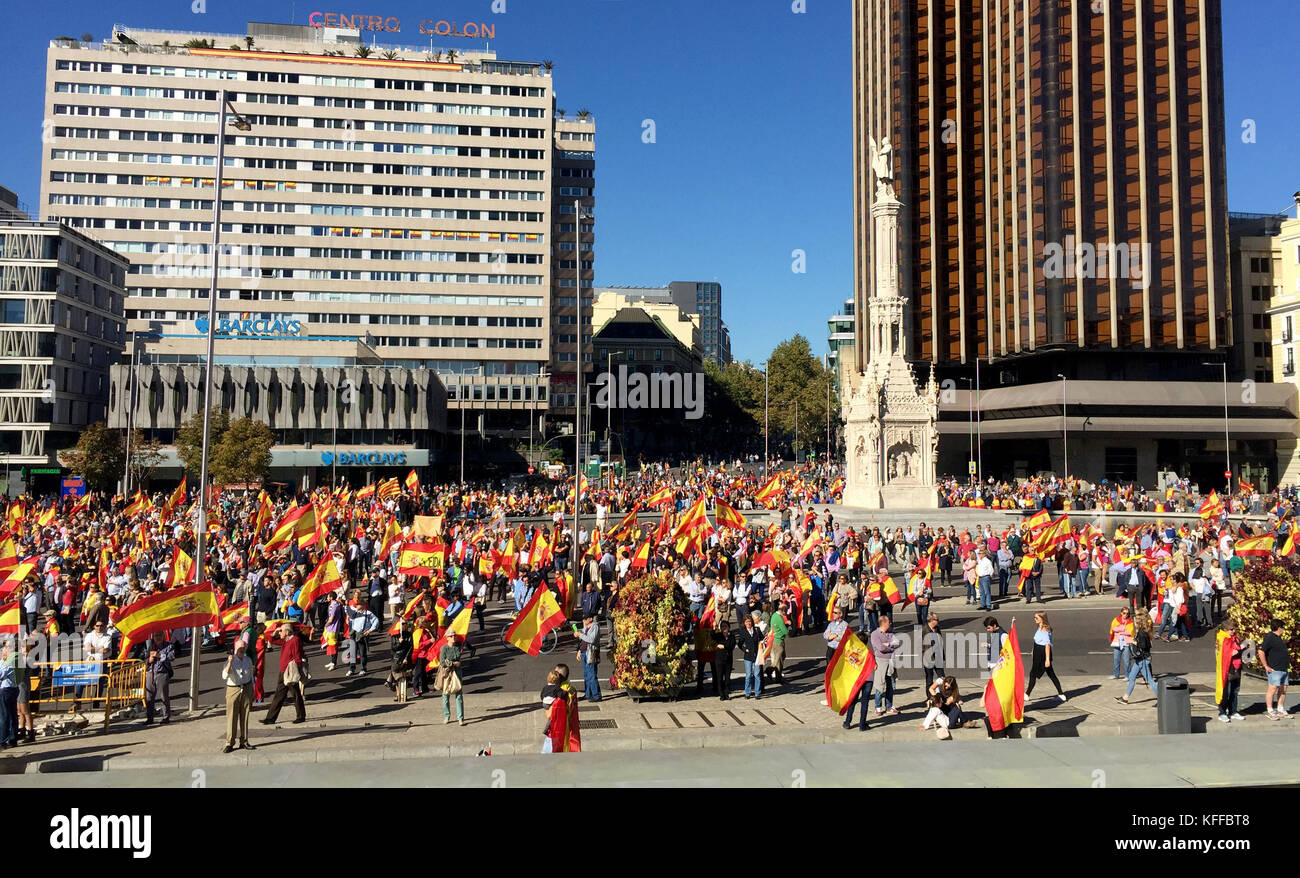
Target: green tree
<point>189,439</point>
<point>796,376</point>
<point>98,457</point>
<point>244,453</point>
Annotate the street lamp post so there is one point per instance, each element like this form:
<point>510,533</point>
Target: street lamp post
<point>1227,442</point>
<point>130,420</point>
<point>577,400</point>
<point>766,454</point>
<point>201,508</point>
<point>1065,436</point>
<point>970,413</point>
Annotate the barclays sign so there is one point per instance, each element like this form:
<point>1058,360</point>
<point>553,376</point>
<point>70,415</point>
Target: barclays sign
<point>363,458</point>
<point>260,328</point>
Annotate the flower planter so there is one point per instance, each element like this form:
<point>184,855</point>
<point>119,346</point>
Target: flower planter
<point>672,693</point>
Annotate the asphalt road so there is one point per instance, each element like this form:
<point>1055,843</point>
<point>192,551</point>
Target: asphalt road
<point>1080,633</point>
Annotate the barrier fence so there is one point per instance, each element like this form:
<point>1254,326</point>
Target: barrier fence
<point>91,685</point>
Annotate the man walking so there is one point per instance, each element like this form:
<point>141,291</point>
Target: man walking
<point>238,674</point>
<point>292,672</point>
<point>1277,662</point>
<point>589,654</point>
<point>158,677</point>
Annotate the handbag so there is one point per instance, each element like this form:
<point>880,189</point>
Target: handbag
<point>451,684</point>
<point>292,674</point>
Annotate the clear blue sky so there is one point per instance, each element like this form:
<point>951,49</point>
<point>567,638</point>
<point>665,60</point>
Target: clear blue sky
<point>752,111</point>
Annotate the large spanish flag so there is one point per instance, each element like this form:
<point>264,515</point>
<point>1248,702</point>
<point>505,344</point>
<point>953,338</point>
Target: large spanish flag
<point>1039,520</point>
<point>1055,534</point>
<point>851,665</point>
<point>174,501</point>
<point>641,558</point>
<point>728,516</point>
<point>232,618</point>
<point>1222,664</point>
<point>1255,547</point>
<point>663,495</point>
<point>25,568</point>
<point>770,492</point>
<point>194,606</point>
<point>287,530</point>
<point>1211,507</point>
<point>538,617</point>
<point>1004,693</point>
<point>323,580</point>
<point>625,526</point>
<point>422,559</point>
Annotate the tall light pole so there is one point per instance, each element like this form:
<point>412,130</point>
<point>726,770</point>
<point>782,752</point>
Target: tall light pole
<point>970,411</point>
<point>979,426</point>
<point>609,404</point>
<point>1227,452</point>
<point>1065,436</point>
<point>130,420</point>
<point>577,402</point>
<point>201,524</point>
<point>462,439</point>
<point>828,409</point>
<point>766,455</point>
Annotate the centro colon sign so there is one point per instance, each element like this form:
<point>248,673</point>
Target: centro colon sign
<point>261,328</point>
<point>389,24</point>
<point>363,458</point>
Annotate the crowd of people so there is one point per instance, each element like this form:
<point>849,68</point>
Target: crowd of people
<point>76,567</point>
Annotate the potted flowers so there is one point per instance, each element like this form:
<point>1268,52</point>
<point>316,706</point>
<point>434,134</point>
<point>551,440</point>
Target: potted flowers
<point>651,619</point>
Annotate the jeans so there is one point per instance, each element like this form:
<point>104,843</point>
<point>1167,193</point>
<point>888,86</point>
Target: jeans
<point>460,706</point>
<point>1033,588</point>
<point>1228,705</point>
<point>1167,618</point>
<point>9,715</point>
<point>1122,659</point>
<point>986,598</point>
<point>590,680</point>
<point>753,678</point>
<point>873,620</point>
<point>970,592</point>
<point>887,694</point>
<point>1067,584</point>
<point>360,651</point>
<point>1004,580</point>
<point>1143,667</point>
<point>864,696</point>
<point>922,615</point>
<point>1203,612</point>
<point>1082,581</point>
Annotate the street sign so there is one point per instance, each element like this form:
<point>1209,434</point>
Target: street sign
<point>45,470</point>
<point>73,486</point>
<point>970,467</point>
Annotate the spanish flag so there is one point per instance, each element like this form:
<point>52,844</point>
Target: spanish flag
<point>1026,568</point>
<point>890,589</point>
<point>1255,547</point>
<point>392,532</point>
<point>663,495</point>
<point>1211,507</point>
<point>692,521</point>
<point>1055,534</point>
<point>1222,663</point>
<point>8,554</point>
<point>264,512</point>
<point>232,618</point>
<point>18,574</point>
<point>422,559</point>
<point>537,619</point>
<point>851,665</point>
<point>1004,694</point>
<point>286,531</point>
<point>625,526</point>
<point>366,492</point>
<point>46,518</point>
<point>594,548</point>
<point>194,606</point>
<point>182,568</point>
<point>1288,546</point>
<point>323,580</point>
<point>413,482</point>
<point>11,617</point>
<point>641,558</point>
<point>727,516</point>
<point>770,491</point>
<point>1039,520</point>
<point>175,500</point>
<point>539,554</point>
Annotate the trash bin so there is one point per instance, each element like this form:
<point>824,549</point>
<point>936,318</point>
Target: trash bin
<point>1175,708</point>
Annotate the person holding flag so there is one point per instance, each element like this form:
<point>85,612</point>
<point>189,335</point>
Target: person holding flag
<point>1227,667</point>
<point>1139,658</point>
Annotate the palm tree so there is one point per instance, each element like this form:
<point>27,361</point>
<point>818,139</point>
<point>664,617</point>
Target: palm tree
<point>362,51</point>
<point>584,115</point>
<point>248,41</point>
<point>88,38</point>
<point>389,54</point>
<point>197,43</point>
<point>451,55</point>
<point>559,114</point>
<point>548,66</point>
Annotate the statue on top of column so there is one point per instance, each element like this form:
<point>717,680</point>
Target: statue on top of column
<point>882,165</point>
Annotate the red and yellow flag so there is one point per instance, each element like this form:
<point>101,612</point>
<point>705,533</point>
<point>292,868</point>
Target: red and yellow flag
<point>323,580</point>
<point>286,532</point>
<point>537,619</point>
<point>1039,520</point>
<point>1026,568</point>
<point>1255,547</point>
<point>18,574</point>
<point>1004,694</point>
<point>851,665</point>
<point>413,482</point>
<point>728,516</point>
<point>1211,507</point>
<point>1288,545</point>
<point>194,606</point>
<point>625,526</point>
<point>663,495</point>
<point>642,557</point>
<point>770,492</point>
<point>11,617</point>
<point>392,532</point>
<point>264,512</point>
<point>422,559</point>
<point>232,618</point>
<point>182,568</point>
<point>174,501</point>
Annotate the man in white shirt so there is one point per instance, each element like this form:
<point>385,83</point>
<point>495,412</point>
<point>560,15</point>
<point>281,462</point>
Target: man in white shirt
<point>985,571</point>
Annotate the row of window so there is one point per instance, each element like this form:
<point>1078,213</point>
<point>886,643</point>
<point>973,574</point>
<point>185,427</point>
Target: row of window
<point>318,231</point>
<point>154,158</point>
<point>336,296</point>
<point>7,311</point>
<point>278,185</point>
<point>402,341</point>
<point>347,145</point>
<point>424,277</point>
<point>254,250</point>
<point>308,79</point>
<point>496,392</point>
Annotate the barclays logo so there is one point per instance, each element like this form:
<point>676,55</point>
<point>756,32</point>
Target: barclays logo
<point>260,328</point>
<point>363,458</point>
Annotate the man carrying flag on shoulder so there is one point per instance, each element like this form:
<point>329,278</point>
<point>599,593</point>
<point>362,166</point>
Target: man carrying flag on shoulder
<point>1004,693</point>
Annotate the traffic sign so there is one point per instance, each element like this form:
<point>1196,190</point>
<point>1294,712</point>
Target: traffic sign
<point>970,467</point>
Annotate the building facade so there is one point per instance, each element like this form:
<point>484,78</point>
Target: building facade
<point>61,328</point>
<point>840,339</point>
<point>1252,256</point>
<point>1284,316</point>
<point>699,300</point>
<point>1063,233</point>
<point>409,195</point>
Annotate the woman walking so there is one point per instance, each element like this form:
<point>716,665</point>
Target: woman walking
<point>1043,657</point>
<point>449,681</point>
<point>1227,667</point>
<point>1139,658</point>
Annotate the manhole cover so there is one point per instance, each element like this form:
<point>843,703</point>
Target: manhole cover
<point>599,724</point>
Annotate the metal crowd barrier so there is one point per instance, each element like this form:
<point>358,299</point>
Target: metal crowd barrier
<point>92,685</point>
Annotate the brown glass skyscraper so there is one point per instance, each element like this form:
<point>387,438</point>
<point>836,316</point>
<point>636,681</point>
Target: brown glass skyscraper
<point>1062,177</point>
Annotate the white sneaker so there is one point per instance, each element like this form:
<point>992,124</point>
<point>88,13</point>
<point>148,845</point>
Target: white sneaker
<point>1271,712</point>
<point>1223,718</point>
<point>330,666</point>
<point>1063,698</point>
<point>1238,717</point>
<point>349,673</point>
